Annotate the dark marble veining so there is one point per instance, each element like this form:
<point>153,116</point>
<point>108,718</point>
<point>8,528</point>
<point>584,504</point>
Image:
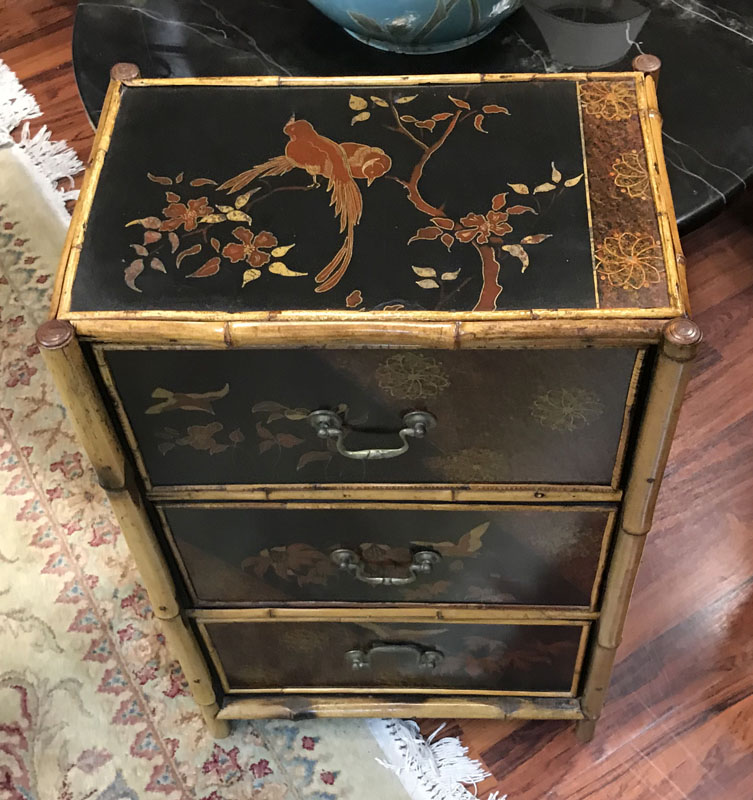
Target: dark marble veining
<point>705,91</point>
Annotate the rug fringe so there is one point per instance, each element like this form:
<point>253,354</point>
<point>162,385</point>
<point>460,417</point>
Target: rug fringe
<point>428,769</point>
<point>53,164</point>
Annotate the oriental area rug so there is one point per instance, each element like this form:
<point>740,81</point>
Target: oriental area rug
<point>92,705</point>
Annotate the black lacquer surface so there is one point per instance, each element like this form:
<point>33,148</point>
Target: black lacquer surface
<point>705,92</point>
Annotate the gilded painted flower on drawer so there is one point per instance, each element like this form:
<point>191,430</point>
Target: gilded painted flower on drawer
<point>410,376</point>
<point>630,261</point>
<point>630,175</point>
<point>470,465</point>
<point>566,409</point>
<point>610,100</point>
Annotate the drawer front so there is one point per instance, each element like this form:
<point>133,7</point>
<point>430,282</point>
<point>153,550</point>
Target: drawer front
<point>240,554</point>
<point>502,416</point>
<point>395,657</point>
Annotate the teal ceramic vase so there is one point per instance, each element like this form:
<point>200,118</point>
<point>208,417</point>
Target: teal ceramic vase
<point>417,26</point>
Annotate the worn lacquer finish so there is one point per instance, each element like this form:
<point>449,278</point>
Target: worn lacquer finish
<point>245,554</point>
<point>503,416</point>
<point>524,658</point>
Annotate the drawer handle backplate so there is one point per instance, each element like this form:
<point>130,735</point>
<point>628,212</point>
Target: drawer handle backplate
<point>422,564</point>
<point>426,657</point>
<point>328,425</point>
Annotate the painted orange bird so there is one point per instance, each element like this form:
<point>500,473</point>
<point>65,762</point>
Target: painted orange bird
<point>339,164</point>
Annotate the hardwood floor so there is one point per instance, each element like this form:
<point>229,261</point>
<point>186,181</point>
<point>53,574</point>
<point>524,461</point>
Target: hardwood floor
<point>678,722</point>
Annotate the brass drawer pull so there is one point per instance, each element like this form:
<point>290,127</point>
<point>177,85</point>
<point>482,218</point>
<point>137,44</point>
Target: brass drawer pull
<point>422,564</point>
<point>328,425</point>
<point>427,657</point>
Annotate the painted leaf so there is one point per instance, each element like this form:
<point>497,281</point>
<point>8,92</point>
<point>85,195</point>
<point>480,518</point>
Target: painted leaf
<point>535,238</point>
<point>191,251</point>
<point>520,209</point>
<point>132,271</point>
<point>447,240</point>
<point>428,283</point>
<point>573,181</point>
<point>267,405</point>
<point>556,174</point>
<point>174,241</point>
<point>237,216</point>
<point>443,222</point>
<point>179,177</point>
<point>203,182</point>
<point>444,115</point>
<point>354,299</point>
<point>264,433</point>
<point>312,456</point>
<point>519,253</point>
<point>236,436</point>
<point>225,209</point>
<point>157,264</point>
<point>407,99</point>
<point>278,268</point>
<point>212,218</point>
<point>147,222</point>
<point>430,232</point>
<point>215,244</point>
<point>378,101</point>
<point>171,197</point>
<point>520,188</point>
<point>450,276</point>
<point>208,268</point>
<point>357,103</point>
<point>265,445</point>
<point>362,117</point>
<point>287,440</point>
<point>494,109</point>
<point>279,252</point>
<point>428,124</point>
<point>498,201</point>
<point>408,118</point>
<point>159,179</point>
<point>139,249</point>
<point>425,272</point>
<point>150,237</point>
<point>478,122</point>
<point>250,275</point>
<point>544,187</point>
<point>242,199</point>
<point>458,103</point>
<point>296,413</point>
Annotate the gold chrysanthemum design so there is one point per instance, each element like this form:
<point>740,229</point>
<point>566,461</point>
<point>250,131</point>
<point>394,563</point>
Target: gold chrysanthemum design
<point>470,465</point>
<point>409,376</point>
<point>610,100</point>
<point>566,409</point>
<point>630,260</point>
<point>630,175</point>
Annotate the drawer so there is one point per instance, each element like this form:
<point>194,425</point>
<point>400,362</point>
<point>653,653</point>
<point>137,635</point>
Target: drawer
<point>208,418</point>
<point>236,554</point>
<point>395,656</point>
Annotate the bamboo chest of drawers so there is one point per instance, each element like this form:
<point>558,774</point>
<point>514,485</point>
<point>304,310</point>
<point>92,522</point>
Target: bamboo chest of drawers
<point>380,375</point>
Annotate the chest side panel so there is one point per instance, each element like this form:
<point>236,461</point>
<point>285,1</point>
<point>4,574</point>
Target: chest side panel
<point>505,416</point>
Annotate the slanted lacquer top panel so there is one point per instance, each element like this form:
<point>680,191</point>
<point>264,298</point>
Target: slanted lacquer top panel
<point>490,196</point>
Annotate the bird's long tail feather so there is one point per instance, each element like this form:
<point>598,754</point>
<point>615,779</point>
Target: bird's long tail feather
<point>275,166</point>
<point>330,276</point>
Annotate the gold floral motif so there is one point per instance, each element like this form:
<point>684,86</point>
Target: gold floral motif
<point>630,175</point>
<point>610,100</point>
<point>470,465</point>
<point>410,376</point>
<point>566,409</point>
<point>630,260</point>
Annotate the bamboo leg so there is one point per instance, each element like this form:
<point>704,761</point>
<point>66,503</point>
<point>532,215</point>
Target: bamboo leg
<point>66,362</point>
<point>671,375</point>
<point>584,730</point>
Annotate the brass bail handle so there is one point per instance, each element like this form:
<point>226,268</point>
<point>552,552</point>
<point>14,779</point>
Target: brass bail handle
<point>349,561</point>
<point>426,657</point>
<point>328,425</point>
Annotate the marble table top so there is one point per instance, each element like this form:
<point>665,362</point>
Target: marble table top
<point>705,89</point>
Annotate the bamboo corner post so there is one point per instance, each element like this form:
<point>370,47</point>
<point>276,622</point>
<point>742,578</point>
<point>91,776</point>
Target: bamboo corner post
<point>648,64</point>
<point>670,378</point>
<point>70,372</point>
<point>124,71</point>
